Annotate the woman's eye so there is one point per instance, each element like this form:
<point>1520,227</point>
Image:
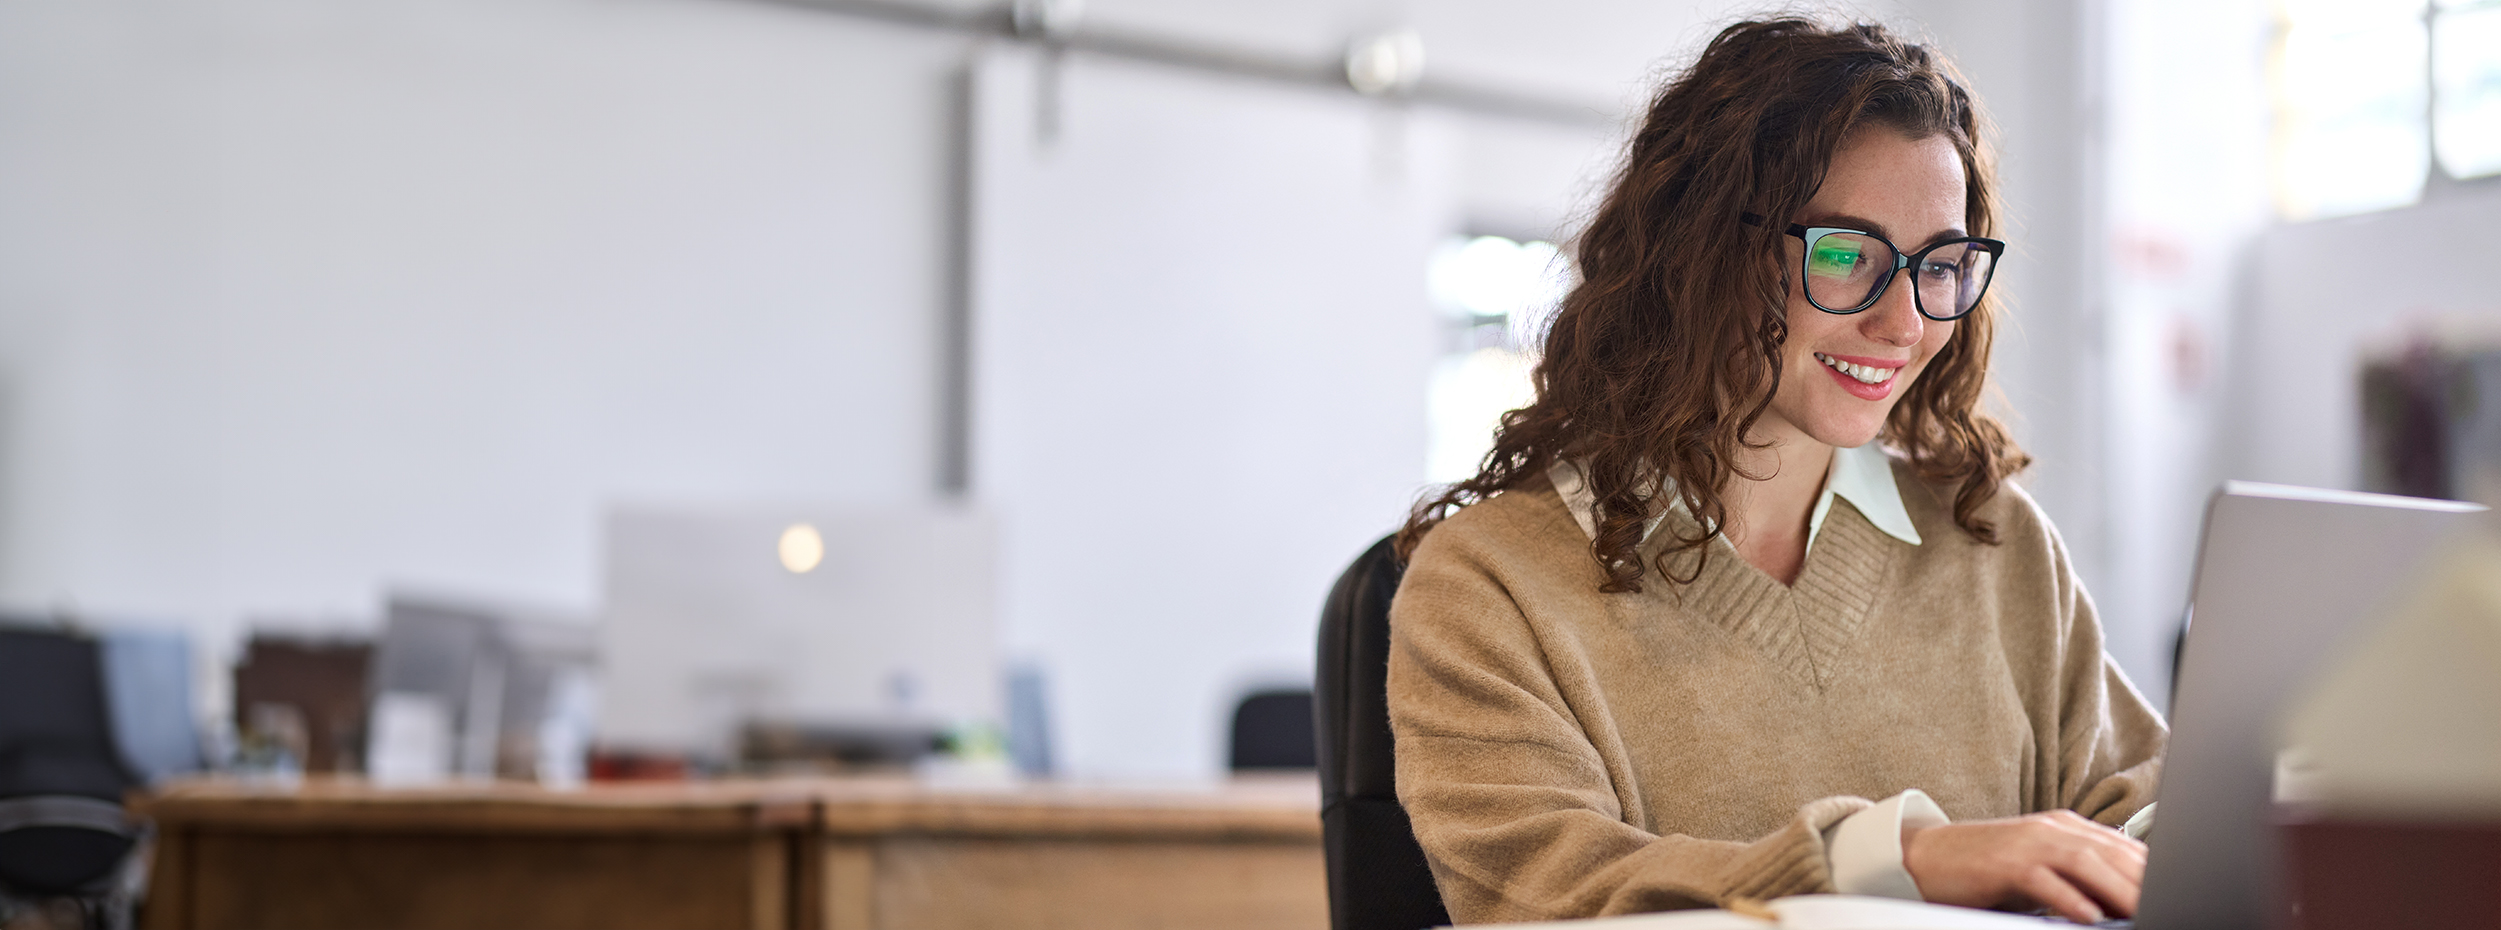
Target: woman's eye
<point>1940,270</point>
<point>1829,260</point>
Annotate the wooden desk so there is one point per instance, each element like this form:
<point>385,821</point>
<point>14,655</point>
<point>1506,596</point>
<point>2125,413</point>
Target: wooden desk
<point>835,854</point>
<point>338,853</point>
<point>1245,855</point>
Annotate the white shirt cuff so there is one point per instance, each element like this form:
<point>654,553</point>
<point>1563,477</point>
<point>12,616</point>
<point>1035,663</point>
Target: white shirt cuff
<point>1864,850</point>
<point>2140,826</point>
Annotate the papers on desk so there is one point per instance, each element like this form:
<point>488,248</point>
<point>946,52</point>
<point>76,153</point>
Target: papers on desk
<point>1814,912</point>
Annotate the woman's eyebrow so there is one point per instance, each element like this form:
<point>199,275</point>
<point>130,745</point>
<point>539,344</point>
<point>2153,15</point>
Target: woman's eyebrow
<point>1863,224</point>
<point>1951,232</point>
<point>1847,221</point>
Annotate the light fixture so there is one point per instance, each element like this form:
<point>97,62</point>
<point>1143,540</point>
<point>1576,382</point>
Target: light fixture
<point>802,548</point>
<point>1048,20</point>
<point>1387,64</point>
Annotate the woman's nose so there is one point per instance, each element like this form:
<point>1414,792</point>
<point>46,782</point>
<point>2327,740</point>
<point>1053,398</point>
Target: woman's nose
<point>1895,319</point>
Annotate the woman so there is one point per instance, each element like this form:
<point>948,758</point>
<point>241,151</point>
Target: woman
<point>1743,605</point>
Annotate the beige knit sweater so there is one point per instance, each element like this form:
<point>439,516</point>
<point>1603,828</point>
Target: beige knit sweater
<point>1567,753</point>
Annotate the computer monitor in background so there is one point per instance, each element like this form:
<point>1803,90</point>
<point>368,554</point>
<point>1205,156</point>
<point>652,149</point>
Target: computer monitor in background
<point>857,620</point>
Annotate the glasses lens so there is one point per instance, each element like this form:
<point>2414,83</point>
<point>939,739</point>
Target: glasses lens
<point>1843,269</point>
<point>1952,277</point>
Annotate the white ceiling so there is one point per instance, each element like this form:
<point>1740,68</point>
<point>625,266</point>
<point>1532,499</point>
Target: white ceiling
<point>1599,52</point>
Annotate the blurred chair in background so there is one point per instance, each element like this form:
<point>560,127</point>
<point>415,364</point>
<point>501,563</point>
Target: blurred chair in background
<point>147,690</point>
<point>62,829</point>
<point>318,685</point>
<point>1028,720</point>
<point>1272,730</point>
<point>2431,421</point>
<point>1378,879</point>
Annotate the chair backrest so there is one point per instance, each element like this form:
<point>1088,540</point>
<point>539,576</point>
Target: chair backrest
<point>147,690</point>
<point>61,773</point>
<point>1378,879</point>
<point>56,736</point>
<point>1273,730</point>
<point>323,680</point>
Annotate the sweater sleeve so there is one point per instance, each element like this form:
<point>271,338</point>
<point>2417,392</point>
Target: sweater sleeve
<point>1519,815</point>
<point>2110,739</point>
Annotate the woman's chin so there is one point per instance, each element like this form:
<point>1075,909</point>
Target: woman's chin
<point>1846,435</point>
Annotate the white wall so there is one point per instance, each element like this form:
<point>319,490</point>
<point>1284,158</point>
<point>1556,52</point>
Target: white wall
<point>1201,333</point>
<point>302,299</point>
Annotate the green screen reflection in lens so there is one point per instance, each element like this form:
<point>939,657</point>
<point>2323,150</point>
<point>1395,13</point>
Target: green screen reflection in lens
<point>1834,256</point>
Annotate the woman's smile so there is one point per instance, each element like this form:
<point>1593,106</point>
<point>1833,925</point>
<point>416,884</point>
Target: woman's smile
<point>1866,378</point>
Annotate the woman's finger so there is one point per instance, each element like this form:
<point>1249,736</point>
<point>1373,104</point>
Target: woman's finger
<point>2119,846</point>
<point>2046,887</point>
<point>2110,883</point>
<point>2128,855</point>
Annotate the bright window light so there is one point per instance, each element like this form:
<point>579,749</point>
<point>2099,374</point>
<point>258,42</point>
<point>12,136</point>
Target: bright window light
<point>1470,394</point>
<point>2466,82</point>
<point>2352,88</point>
<point>1491,278</point>
<point>1497,294</point>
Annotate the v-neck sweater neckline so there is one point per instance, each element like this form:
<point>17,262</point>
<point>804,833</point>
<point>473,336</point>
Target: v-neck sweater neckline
<point>1806,628</point>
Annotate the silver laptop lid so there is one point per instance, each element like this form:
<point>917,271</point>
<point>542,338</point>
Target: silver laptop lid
<point>2285,576</point>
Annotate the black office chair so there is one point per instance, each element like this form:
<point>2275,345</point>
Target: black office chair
<point>62,829</point>
<point>1272,730</point>
<point>1377,876</point>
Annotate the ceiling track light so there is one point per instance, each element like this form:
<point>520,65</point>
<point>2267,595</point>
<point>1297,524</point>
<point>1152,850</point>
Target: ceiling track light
<point>1388,64</point>
<point>1046,20</point>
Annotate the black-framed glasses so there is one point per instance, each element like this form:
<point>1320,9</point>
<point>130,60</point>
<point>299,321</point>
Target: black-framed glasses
<point>1848,270</point>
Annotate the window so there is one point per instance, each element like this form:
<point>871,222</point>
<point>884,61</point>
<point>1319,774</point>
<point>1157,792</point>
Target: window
<point>2367,91</point>
<point>2466,87</point>
<point>2350,92</point>
<point>1496,295</point>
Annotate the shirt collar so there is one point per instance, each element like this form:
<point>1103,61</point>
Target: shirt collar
<point>1863,474</point>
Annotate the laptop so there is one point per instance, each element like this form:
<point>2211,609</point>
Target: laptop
<point>2286,577</point>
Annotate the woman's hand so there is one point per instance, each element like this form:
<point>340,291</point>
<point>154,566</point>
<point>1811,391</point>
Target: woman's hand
<point>2056,859</point>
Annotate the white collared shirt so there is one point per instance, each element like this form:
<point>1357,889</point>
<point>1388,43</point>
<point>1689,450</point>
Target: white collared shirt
<point>1863,474</point>
<point>1863,850</point>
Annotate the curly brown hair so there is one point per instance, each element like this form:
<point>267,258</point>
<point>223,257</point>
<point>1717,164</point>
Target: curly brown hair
<point>1662,358</point>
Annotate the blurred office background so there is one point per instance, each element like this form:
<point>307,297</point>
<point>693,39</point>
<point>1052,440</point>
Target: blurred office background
<point>314,314</point>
